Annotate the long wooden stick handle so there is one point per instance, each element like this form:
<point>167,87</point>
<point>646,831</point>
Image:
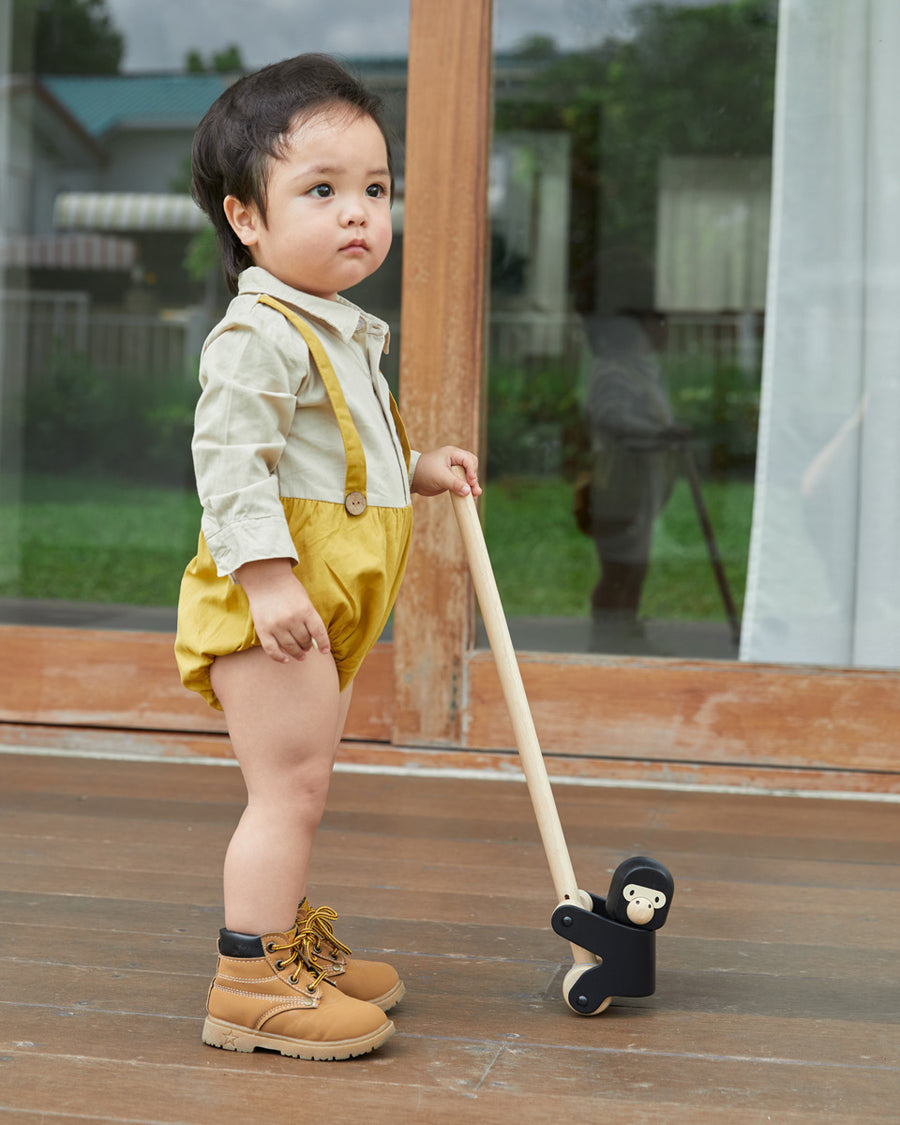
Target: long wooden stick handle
<point>516,701</point>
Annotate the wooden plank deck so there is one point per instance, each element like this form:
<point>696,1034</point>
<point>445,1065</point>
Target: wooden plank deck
<point>778,982</point>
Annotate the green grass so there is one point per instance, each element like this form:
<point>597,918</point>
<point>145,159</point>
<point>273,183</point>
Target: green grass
<point>102,541</point>
<point>681,584</point>
<point>544,566</point>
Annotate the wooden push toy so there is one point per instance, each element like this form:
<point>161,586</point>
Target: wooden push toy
<point>613,939</point>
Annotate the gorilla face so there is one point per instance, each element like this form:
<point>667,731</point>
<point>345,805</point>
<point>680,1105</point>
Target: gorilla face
<point>640,893</point>
<point>642,903</point>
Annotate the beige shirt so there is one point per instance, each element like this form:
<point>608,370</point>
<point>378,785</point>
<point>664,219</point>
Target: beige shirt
<point>264,427</point>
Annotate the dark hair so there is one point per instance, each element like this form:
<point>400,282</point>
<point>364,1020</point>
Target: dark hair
<point>246,127</point>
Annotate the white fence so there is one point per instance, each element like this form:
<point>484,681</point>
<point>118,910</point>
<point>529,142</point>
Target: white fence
<point>722,338</point>
<point>42,327</point>
<point>734,339</point>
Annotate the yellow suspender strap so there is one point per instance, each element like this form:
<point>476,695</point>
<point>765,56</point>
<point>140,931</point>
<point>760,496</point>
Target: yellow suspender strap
<point>401,431</point>
<point>355,479</point>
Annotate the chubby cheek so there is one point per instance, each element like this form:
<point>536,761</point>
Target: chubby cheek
<point>384,248</point>
<point>384,234</point>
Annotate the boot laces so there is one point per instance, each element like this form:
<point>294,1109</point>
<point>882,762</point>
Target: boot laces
<point>317,928</point>
<point>297,948</point>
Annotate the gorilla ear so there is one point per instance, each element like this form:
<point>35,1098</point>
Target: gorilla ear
<point>646,872</point>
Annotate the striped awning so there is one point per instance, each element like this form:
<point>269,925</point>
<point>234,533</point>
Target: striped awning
<point>67,252</point>
<point>135,211</point>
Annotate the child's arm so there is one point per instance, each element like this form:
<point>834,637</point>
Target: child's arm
<point>434,472</point>
<point>286,622</point>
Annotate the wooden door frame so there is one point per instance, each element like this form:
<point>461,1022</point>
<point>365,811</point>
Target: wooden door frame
<point>431,696</point>
<point>444,268</point>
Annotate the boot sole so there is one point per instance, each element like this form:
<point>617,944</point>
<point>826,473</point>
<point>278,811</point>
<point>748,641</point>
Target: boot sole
<point>389,999</point>
<point>231,1037</point>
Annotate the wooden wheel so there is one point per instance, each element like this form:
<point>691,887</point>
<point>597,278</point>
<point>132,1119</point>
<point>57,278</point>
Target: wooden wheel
<point>570,988</point>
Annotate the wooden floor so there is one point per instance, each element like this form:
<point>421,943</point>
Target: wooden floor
<point>778,976</point>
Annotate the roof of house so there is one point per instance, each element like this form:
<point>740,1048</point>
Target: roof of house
<point>101,103</point>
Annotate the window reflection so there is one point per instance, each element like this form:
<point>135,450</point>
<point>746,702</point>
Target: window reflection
<point>629,219</point>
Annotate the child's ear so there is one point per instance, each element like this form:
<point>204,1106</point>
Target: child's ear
<point>243,220</point>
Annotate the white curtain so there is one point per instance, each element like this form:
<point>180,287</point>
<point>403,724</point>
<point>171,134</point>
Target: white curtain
<point>824,577</point>
<point>712,226</point>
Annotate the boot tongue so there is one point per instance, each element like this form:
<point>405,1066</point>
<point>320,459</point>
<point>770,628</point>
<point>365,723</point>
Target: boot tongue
<point>233,944</point>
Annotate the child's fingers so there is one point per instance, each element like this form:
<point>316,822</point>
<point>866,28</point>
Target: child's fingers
<point>460,482</point>
<point>297,642</point>
<point>312,634</point>
<point>319,635</point>
<point>467,480</point>
<point>274,649</point>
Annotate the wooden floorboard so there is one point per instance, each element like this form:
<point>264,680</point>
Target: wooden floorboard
<point>778,975</point>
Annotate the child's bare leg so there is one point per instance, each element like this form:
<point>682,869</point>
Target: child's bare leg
<point>285,722</point>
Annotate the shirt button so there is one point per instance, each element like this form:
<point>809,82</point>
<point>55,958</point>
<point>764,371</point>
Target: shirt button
<point>355,503</point>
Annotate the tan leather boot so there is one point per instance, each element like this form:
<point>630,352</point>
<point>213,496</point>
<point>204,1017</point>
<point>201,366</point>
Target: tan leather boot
<point>373,981</point>
<point>265,994</point>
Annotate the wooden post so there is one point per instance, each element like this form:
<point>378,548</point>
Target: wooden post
<point>444,264</point>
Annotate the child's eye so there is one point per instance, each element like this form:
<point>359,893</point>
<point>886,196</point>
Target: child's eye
<point>376,191</point>
<point>321,191</point>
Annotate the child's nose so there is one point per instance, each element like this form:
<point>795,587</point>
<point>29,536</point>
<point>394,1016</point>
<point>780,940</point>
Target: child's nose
<point>355,214</point>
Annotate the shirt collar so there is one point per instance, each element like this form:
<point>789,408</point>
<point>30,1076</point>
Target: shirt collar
<point>341,315</point>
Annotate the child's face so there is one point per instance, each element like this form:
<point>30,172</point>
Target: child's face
<point>328,212</point>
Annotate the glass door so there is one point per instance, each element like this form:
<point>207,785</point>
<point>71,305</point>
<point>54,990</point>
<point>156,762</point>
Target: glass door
<point>629,213</point>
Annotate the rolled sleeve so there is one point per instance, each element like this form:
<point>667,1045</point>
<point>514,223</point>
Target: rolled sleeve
<point>242,421</point>
<point>414,456</point>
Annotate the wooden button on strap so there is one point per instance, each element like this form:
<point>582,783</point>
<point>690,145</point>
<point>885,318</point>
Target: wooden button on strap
<point>355,503</point>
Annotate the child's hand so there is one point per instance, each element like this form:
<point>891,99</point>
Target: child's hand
<point>286,621</point>
<point>434,473</point>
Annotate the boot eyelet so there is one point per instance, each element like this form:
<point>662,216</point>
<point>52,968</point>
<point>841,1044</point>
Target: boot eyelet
<point>280,966</point>
<point>270,947</point>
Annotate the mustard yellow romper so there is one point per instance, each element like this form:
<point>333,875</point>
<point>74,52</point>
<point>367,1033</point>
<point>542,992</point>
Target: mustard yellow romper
<point>351,559</point>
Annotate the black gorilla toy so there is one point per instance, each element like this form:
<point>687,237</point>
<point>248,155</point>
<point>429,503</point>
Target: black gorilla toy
<point>620,931</point>
<point>640,893</point>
